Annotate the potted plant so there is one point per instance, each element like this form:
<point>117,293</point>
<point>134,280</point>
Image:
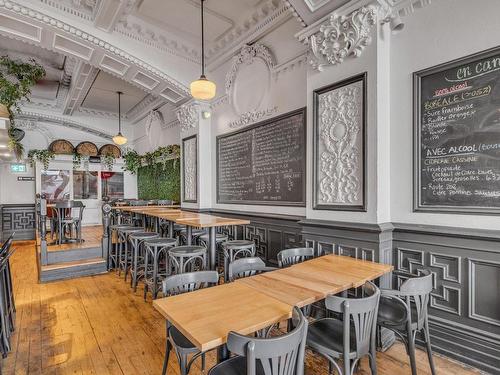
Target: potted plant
<point>43,156</point>
<point>16,79</point>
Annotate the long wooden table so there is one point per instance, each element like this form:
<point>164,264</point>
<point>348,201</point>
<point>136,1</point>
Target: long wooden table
<point>249,304</point>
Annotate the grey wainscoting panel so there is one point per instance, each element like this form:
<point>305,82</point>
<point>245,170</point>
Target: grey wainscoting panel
<point>271,233</point>
<point>465,302</point>
<point>371,242</point>
<point>18,218</point>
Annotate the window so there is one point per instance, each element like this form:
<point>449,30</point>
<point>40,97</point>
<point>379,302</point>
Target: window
<point>85,185</point>
<point>112,184</point>
<point>55,184</point>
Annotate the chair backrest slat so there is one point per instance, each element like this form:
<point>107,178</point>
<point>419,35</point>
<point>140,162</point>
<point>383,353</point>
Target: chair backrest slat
<point>293,256</point>
<point>245,267</point>
<point>417,292</point>
<point>281,355</point>
<point>189,282</point>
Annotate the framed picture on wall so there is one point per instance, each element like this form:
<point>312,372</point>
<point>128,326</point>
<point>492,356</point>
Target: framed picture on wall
<point>457,135</point>
<point>339,140</point>
<point>190,169</point>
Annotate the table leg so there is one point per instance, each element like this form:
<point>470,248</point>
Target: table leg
<point>171,229</point>
<point>212,247</point>
<point>222,353</point>
<point>189,236</point>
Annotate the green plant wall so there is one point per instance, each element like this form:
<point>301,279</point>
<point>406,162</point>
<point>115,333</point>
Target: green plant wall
<point>160,181</point>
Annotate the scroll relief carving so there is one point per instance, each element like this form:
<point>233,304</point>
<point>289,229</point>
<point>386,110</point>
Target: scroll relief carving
<point>190,171</point>
<point>341,37</point>
<point>249,55</point>
<point>187,115</point>
<point>340,146</point>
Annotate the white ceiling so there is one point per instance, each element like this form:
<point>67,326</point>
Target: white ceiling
<point>102,95</point>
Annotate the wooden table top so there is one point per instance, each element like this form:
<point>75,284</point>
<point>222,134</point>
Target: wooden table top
<point>207,221</point>
<point>139,208</point>
<point>311,281</point>
<point>206,316</point>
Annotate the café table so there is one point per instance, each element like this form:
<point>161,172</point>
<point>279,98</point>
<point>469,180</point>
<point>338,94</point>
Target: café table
<point>206,316</point>
<point>210,222</point>
<point>311,281</point>
<point>249,304</point>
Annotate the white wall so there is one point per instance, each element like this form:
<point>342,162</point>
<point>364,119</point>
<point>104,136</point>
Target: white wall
<point>443,31</point>
<point>13,191</point>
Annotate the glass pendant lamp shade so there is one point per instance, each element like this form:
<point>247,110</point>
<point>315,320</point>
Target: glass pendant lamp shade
<point>203,89</point>
<point>119,139</point>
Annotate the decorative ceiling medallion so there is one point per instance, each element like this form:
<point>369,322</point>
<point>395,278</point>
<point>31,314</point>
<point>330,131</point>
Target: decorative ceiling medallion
<point>246,56</point>
<point>342,36</point>
<point>187,115</point>
<point>252,117</point>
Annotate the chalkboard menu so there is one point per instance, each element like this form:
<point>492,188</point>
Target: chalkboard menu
<point>264,163</point>
<point>457,135</point>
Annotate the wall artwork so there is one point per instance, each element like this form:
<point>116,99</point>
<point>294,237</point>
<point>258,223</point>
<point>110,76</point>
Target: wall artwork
<point>190,169</point>
<point>339,146</point>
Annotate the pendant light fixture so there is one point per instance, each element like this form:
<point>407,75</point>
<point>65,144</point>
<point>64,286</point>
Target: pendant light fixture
<point>119,139</point>
<point>202,88</point>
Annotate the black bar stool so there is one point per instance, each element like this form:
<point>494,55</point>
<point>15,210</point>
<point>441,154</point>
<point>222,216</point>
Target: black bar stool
<point>137,239</point>
<point>124,251</point>
<point>195,233</point>
<point>182,259</point>
<point>156,250</point>
<point>236,249</point>
<point>114,247</point>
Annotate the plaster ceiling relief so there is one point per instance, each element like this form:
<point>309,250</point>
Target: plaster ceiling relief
<point>102,94</point>
<point>188,116</point>
<point>249,80</point>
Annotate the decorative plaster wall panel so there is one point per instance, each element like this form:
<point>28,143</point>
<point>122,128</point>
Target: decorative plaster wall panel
<point>339,142</point>
<point>190,169</point>
<point>188,116</point>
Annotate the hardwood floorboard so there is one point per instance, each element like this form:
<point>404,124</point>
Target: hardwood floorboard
<point>97,325</point>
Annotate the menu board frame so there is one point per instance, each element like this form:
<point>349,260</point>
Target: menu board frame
<point>302,203</point>
<point>191,139</point>
<point>418,76</point>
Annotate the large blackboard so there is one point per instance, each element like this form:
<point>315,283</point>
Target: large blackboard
<point>264,163</point>
<point>457,135</point>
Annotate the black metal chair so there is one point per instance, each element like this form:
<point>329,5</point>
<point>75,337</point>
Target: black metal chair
<point>183,259</point>
<point>156,255</point>
<point>351,338</point>
<point>66,221</point>
<point>178,284</point>
<point>280,355</point>
<point>405,312</point>
<point>236,249</point>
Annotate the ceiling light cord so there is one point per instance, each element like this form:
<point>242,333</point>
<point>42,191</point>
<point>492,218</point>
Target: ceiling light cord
<point>202,41</point>
<point>119,112</point>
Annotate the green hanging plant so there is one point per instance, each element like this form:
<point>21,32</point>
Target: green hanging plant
<point>108,161</point>
<point>133,161</point>
<point>43,156</point>
<point>16,79</point>
<point>77,160</point>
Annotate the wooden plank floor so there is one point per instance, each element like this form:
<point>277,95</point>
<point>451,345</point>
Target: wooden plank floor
<point>96,325</point>
<point>92,234</point>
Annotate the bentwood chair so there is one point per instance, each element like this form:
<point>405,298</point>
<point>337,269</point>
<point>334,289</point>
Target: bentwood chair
<point>236,249</point>
<point>351,338</point>
<point>155,263</point>
<point>290,257</point>
<point>404,312</point>
<point>185,259</point>
<point>245,267</point>
<point>178,284</point>
<point>280,355</point>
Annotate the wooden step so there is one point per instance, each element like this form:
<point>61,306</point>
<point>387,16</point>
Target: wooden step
<point>72,269</point>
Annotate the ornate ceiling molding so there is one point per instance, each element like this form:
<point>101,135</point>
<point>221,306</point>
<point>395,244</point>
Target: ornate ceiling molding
<point>188,116</point>
<point>246,56</point>
<point>57,120</point>
<point>252,117</point>
<point>39,29</point>
<point>341,37</point>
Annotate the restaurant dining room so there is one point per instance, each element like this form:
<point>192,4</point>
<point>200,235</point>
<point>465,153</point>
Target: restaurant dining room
<point>249,187</point>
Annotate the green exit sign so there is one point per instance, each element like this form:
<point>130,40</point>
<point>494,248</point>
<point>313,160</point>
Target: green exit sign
<point>18,168</point>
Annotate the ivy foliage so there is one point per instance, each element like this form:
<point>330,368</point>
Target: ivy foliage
<point>160,181</point>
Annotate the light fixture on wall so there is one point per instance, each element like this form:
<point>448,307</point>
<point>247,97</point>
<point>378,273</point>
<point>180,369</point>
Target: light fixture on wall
<point>395,22</point>
<point>202,88</point>
<point>206,115</point>
<point>119,139</point>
